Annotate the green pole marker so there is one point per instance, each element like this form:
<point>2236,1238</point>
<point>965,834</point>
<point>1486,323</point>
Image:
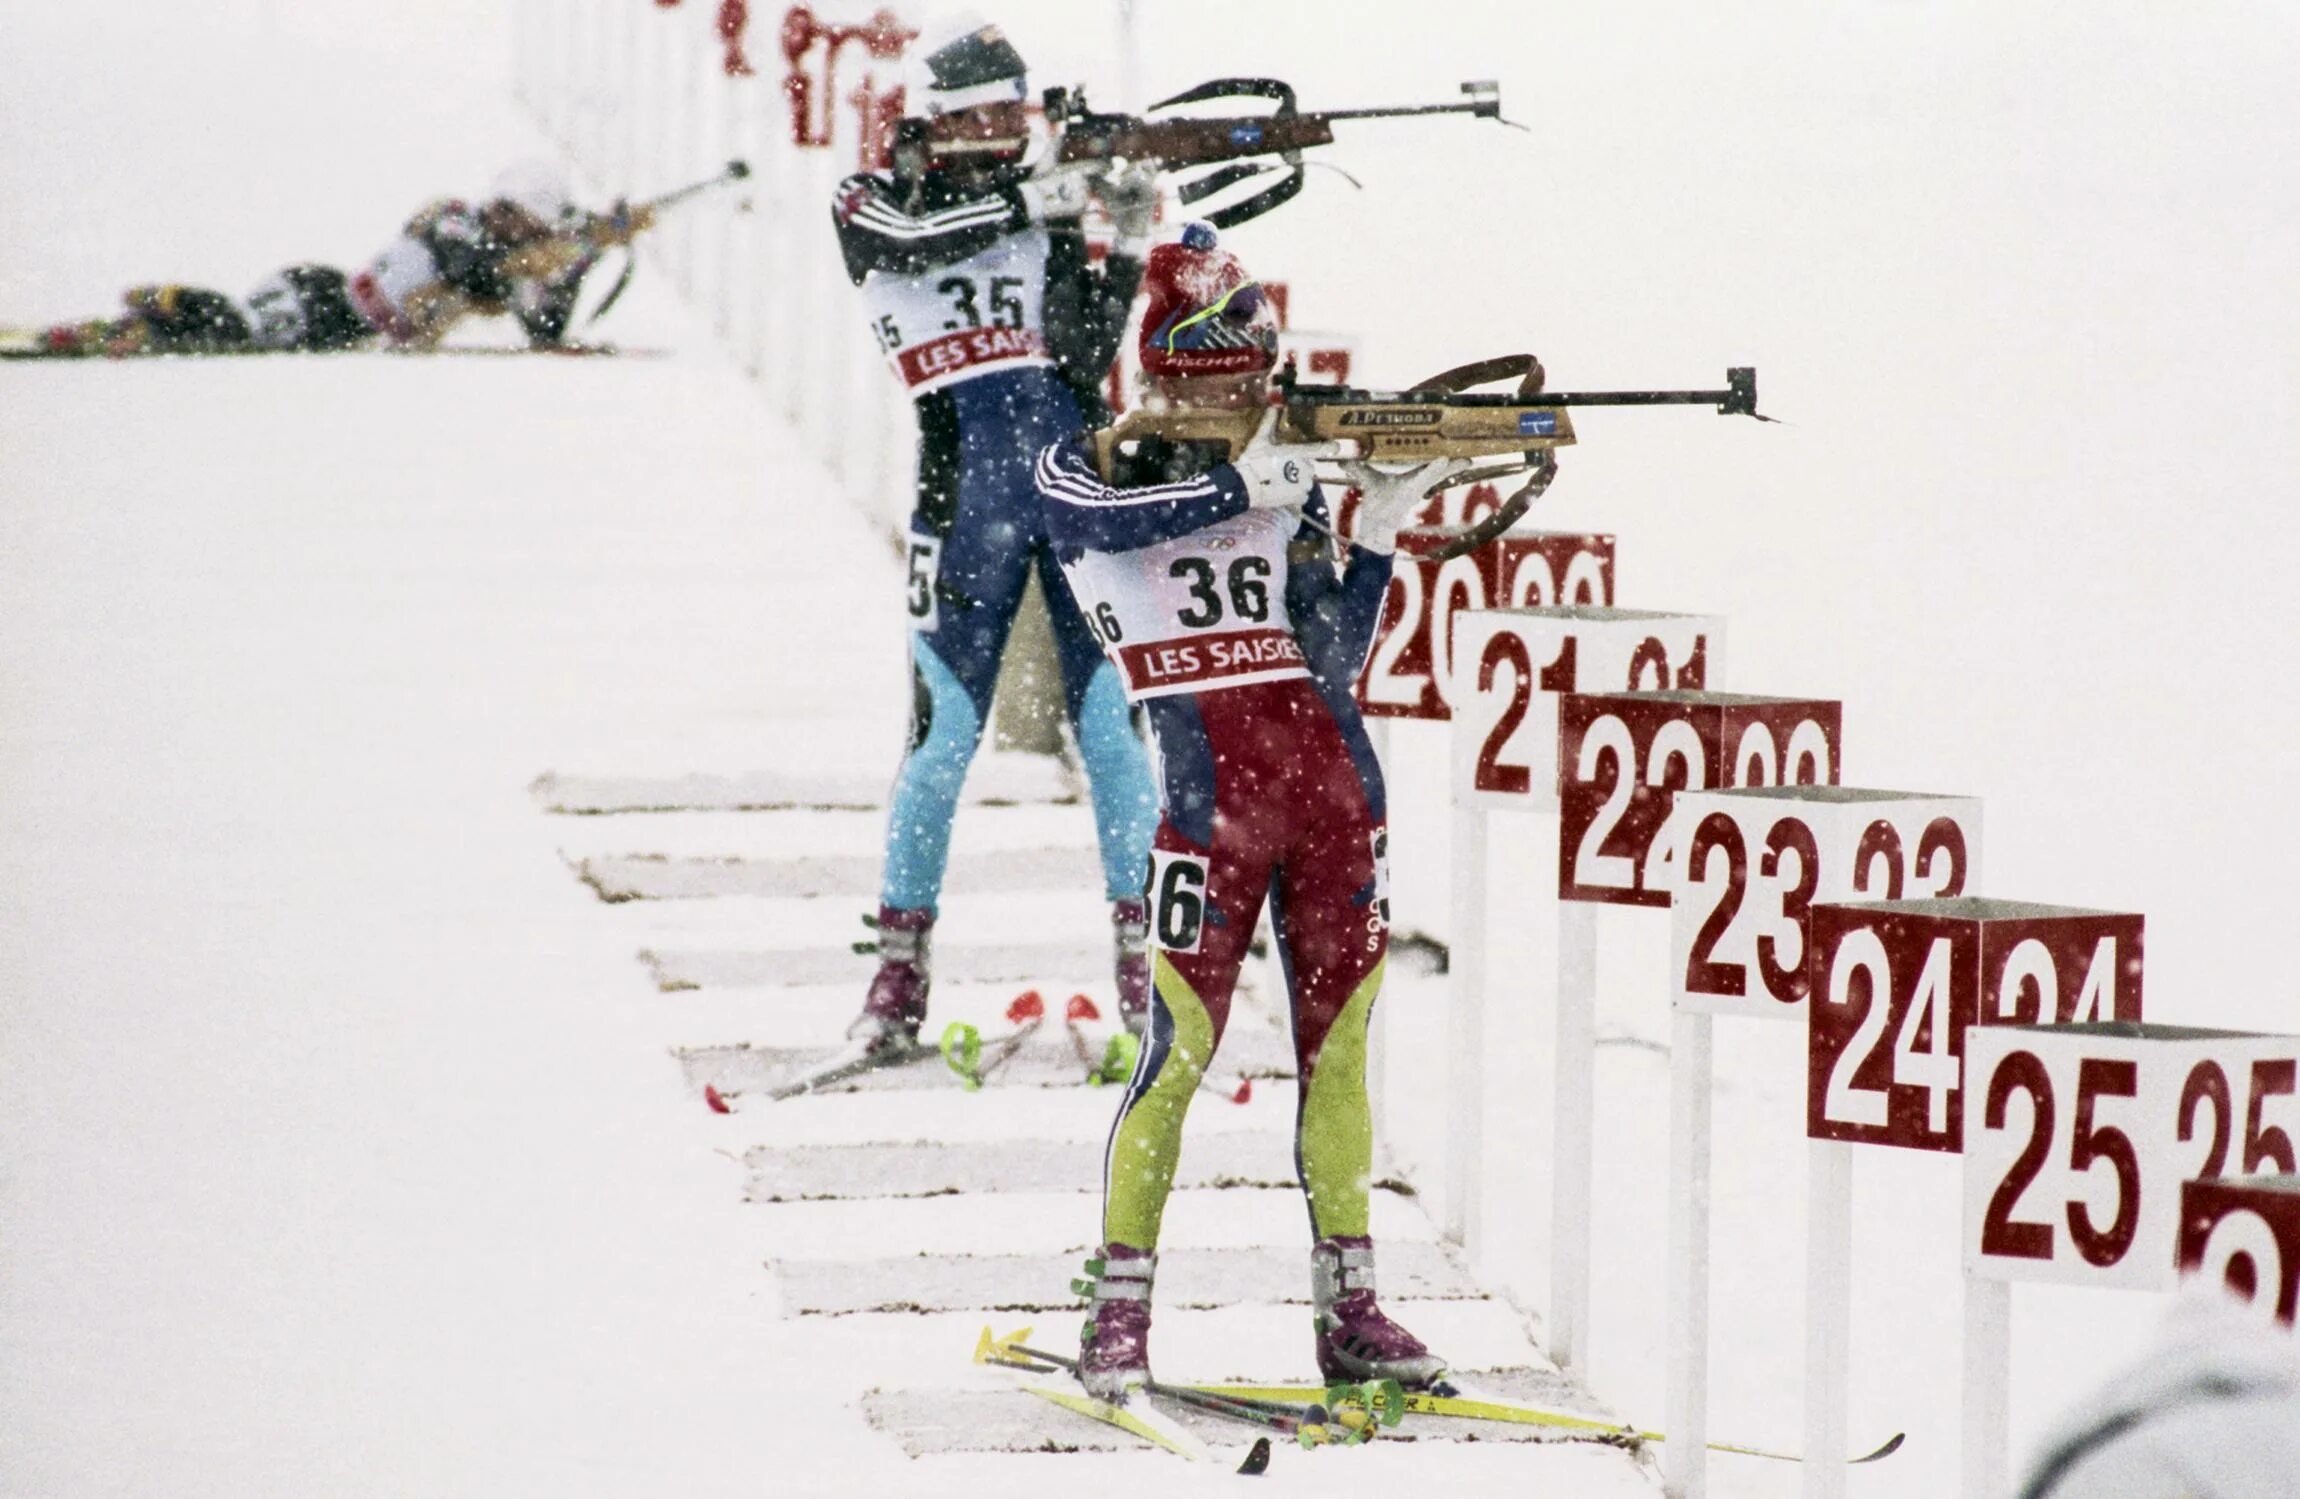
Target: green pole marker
<point>1382,1400</point>
<point>962,1053</point>
<point>1117,1059</point>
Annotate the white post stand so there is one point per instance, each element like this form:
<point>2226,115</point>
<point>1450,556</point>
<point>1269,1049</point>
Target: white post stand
<point>1828,1315</point>
<point>2151,1089</point>
<point>1465,1034</point>
<point>1524,568</point>
<point>1988,1381</point>
<point>1508,671</point>
<point>1884,973</point>
<point>1616,850</point>
<point>1685,1405</point>
<point>1574,1133</point>
<point>1406,681</point>
<point>1728,957</point>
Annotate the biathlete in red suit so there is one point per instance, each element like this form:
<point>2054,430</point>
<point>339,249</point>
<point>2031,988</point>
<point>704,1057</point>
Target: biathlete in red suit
<point>1214,587</point>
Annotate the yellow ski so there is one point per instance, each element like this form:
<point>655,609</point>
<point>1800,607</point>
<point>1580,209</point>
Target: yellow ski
<point>1423,1403</point>
<point>1148,1424</point>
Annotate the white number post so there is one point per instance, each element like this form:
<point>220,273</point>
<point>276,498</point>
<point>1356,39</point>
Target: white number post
<point>2079,1142</point>
<point>1510,668</point>
<point>1895,986</point>
<point>1753,862</point>
<point>1409,674</point>
<point>1623,760</point>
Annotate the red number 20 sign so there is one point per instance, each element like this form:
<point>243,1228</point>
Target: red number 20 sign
<point>1410,672</point>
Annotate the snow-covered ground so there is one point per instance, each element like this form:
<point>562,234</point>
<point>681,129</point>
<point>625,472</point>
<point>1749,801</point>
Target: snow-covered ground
<point>340,1148</point>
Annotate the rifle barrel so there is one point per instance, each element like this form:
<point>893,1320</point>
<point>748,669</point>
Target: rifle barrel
<point>1343,395</point>
<point>1469,108</point>
<point>1633,398</point>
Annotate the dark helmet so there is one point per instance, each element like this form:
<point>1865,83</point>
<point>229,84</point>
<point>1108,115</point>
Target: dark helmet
<point>961,62</point>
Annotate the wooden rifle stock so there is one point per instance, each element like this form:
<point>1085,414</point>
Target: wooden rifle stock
<point>1191,142</point>
<point>1388,426</point>
<point>1440,418</point>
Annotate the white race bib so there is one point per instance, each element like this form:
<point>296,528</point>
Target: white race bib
<point>965,319</point>
<point>1203,611</point>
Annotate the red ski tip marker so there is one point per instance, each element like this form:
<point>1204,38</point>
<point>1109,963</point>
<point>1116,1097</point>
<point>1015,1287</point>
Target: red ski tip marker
<point>1080,1009</point>
<point>1028,1005</point>
<point>717,1104</point>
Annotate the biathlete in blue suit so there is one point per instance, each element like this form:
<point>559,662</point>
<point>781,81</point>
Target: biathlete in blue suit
<point>983,299</point>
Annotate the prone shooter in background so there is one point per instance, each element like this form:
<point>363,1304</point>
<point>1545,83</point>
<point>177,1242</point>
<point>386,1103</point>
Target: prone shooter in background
<point>523,253</point>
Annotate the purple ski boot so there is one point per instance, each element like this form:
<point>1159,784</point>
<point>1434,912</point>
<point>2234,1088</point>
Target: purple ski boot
<point>1130,929</point>
<point>1355,1341</point>
<point>1114,1346</point>
<point>897,1004</point>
